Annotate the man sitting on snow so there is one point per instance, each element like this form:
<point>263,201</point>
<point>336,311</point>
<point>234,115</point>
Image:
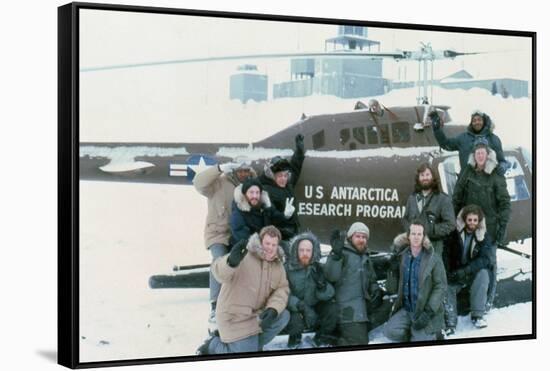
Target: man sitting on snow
<point>470,259</point>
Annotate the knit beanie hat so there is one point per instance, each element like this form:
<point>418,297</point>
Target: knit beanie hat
<point>358,227</point>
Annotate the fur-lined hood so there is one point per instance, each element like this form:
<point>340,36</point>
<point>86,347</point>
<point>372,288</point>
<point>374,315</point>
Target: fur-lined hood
<point>232,176</point>
<point>480,231</point>
<point>242,203</point>
<point>491,163</point>
<point>268,173</point>
<point>488,124</point>
<point>293,263</point>
<point>254,246</point>
<point>401,241</point>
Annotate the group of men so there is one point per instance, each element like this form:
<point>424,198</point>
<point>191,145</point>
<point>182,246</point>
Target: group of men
<point>266,276</point>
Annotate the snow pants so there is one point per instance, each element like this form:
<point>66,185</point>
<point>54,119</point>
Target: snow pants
<point>254,343</point>
<point>216,250</point>
<point>479,288</point>
<point>399,329</point>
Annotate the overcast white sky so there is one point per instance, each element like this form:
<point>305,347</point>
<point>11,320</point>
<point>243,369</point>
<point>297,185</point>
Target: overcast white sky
<point>109,38</point>
<point>190,102</point>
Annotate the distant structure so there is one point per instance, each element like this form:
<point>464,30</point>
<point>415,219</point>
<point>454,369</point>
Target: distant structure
<point>341,77</point>
<point>462,79</point>
<point>504,86</point>
<point>248,84</point>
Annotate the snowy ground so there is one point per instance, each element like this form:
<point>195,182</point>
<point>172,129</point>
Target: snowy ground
<point>132,231</point>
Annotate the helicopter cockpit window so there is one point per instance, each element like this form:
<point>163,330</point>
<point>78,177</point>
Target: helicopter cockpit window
<point>384,134</point>
<point>515,181</point>
<point>400,132</point>
<point>344,136</point>
<point>359,134</point>
<point>372,135</point>
<point>319,139</point>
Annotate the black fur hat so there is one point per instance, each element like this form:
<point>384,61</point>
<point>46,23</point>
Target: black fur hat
<point>278,163</point>
<point>249,183</point>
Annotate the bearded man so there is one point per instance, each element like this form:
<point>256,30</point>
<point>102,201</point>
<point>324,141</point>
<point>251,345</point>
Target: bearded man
<point>431,206</point>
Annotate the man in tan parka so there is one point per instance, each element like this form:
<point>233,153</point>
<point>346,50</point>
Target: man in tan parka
<point>218,183</point>
<point>254,294</point>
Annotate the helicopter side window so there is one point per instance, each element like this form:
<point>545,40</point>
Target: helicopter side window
<point>359,134</point>
<point>372,135</point>
<point>515,181</point>
<point>319,139</point>
<point>384,134</point>
<point>344,136</point>
<point>448,174</point>
<point>400,132</point>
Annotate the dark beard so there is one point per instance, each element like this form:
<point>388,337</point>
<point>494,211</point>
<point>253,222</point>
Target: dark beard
<point>426,187</point>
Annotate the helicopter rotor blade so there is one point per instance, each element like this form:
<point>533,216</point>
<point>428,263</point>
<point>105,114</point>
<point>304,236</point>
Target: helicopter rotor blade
<point>395,55</point>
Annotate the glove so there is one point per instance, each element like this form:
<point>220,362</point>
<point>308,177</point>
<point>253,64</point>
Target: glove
<point>422,320</point>
<point>377,299</point>
<point>299,142</point>
<point>430,227</point>
<point>394,263</point>
<point>502,168</point>
<point>228,167</point>
<point>499,236</point>
<point>267,318</point>
<point>460,275</point>
<point>318,276</point>
<point>237,254</point>
<point>289,208</point>
<point>337,243</point>
<point>436,120</point>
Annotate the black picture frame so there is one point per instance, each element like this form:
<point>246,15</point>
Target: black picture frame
<point>69,132</point>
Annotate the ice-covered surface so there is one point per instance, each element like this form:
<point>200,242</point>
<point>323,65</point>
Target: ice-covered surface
<point>128,153</point>
<point>379,152</point>
<point>132,231</point>
<point>251,154</point>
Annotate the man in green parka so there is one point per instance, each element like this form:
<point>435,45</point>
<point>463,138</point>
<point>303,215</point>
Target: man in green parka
<point>350,269</point>
<point>310,303</point>
<point>421,285</point>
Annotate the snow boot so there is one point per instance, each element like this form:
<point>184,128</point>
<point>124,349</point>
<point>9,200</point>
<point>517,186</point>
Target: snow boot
<point>479,322</point>
<point>212,324</point>
<point>294,341</point>
<point>203,349</point>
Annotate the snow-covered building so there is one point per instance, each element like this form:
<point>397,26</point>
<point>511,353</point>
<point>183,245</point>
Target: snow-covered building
<point>248,84</point>
<point>504,86</point>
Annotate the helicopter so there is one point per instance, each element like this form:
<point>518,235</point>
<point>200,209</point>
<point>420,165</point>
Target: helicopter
<point>371,159</point>
<point>359,165</point>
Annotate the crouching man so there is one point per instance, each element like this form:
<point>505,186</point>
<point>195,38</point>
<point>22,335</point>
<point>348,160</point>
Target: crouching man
<point>254,294</point>
<point>350,269</point>
<point>418,311</point>
<point>310,303</point>
<point>470,263</point>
